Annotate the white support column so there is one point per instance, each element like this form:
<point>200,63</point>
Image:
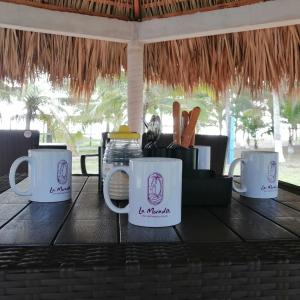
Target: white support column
<point>135,77</point>
<point>276,125</point>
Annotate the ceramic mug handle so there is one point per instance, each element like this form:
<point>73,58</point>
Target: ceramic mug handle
<point>12,176</point>
<point>241,189</point>
<point>107,199</point>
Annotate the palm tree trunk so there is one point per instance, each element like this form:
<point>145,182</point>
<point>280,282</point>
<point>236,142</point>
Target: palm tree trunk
<point>107,126</point>
<point>28,121</point>
<point>220,122</point>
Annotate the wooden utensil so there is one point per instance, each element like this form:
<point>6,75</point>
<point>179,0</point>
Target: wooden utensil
<point>188,132</point>
<point>176,123</point>
<point>192,143</point>
<point>184,121</point>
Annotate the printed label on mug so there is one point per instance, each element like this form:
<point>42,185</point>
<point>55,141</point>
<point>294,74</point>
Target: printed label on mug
<point>155,196</point>
<point>271,178</point>
<point>62,178</point>
<point>155,188</point>
<point>272,171</point>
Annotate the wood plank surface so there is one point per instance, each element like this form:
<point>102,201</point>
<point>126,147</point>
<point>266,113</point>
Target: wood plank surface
<point>275,211</point>
<point>290,199</point>
<point>37,223</point>
<point>12,204</point>
<point>199,225</point>
<point>90,220</point>
<point>248,224</point>
<point>137,234</point>
<point>87,220</point>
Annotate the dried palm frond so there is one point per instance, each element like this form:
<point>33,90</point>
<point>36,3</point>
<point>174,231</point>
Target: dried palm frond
<point>25,55</point>
<point>255,59</point>
<point>166,8</point>
<point>120,9</point>
<point>124,9</point>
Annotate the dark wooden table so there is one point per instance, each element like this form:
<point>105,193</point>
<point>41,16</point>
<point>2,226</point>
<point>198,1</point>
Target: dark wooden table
<point>249,249</point>
<point>87,220</point>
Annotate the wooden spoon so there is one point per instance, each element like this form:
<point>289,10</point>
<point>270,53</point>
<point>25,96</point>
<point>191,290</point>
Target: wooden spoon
<point>192,143</point>
<point>176,123</point>
<point>185,120</point>
<point>188,132</point>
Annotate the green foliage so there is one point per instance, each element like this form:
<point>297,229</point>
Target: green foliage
<point>159,101</point>
<point>108,104</point>
<point>290,110</point>
<point>7,91</point>
<point>252,121</point>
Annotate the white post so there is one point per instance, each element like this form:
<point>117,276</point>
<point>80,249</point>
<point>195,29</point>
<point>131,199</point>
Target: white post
<point>135,77</point>
<point>276,124</point>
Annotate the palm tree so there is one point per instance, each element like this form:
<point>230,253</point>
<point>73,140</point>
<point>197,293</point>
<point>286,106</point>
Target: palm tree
<point>159,100</point>
<point>7,91</point>
<point>108,104</point>
<point>33,99</point>
<point>290,110</point>
<point>252,121</point>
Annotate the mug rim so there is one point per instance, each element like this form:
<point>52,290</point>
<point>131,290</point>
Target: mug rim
<point>258,152</point>
<point>48,150</point>
<point>154,159</point>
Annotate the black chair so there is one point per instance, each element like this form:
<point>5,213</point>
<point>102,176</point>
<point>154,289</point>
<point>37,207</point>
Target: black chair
<point>100,154</point>
<point>218,144</point>
<point>13,144</point>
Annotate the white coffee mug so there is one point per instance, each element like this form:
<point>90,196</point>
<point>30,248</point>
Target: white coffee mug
<point>259,174</point>
<point>154,191</point>
<point>49,172</point>
<point>203,157</point>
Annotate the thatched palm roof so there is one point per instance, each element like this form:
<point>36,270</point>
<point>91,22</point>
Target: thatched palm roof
<point>25,55</point>
<point>134,9</point>
<point>253,59</point>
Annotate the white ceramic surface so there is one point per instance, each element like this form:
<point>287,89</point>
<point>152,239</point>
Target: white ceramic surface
<point>203,154</point>
<point>259,174</point>
<point>154,191</point>
<point>49,172</point>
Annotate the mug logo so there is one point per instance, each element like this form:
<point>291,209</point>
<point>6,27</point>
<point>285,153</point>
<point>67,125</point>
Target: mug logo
<point>155,188</point>
<point>272,171</point>
<point>62,172</point>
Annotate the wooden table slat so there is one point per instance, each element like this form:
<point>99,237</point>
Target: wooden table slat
<point>90,221</point>
<point>275,211</point>
<point>130,233</point>
<point>38,223</point>
<point>248,224</point>
<point>199,225</point>
<point>87,220</point>
<point>136,234</point>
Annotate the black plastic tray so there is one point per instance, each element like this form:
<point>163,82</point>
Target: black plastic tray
<point>201,187</point>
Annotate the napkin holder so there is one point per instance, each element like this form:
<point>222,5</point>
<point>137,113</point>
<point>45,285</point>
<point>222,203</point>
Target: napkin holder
<point>199,187</point>
<point>205,188</point>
